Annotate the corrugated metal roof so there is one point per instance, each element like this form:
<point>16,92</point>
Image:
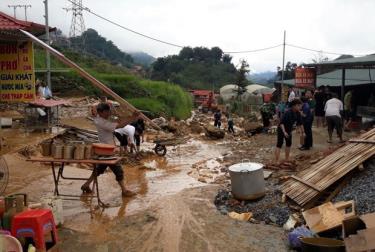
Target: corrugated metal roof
<point>356,61</point>
<point>353,77</point>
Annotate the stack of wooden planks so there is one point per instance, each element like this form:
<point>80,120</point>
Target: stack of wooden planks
<point>308,184</point>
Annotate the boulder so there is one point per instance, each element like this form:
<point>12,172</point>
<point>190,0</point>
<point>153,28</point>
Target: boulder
<point>253,126</point>
<point>213,132</point>
<point>160,121</point>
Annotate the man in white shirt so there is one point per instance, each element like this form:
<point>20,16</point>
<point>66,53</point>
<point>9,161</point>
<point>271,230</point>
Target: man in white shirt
<point>106,129</point>
<point>126,137</point>
<point>333,112</point>
<point>292,95</point>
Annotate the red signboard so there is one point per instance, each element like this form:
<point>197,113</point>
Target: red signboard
<point>305,77</point>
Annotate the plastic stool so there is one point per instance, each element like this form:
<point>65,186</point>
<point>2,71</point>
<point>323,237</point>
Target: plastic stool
<point>35,224</point>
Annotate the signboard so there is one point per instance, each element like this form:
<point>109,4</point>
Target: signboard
<point>17,77</point>
<point>305,77</point>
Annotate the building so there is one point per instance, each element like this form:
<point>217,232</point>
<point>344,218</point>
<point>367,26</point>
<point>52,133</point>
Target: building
<point>202,96</point>
<point>9,28</point>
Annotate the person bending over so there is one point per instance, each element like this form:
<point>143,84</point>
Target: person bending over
<point>334,110</point>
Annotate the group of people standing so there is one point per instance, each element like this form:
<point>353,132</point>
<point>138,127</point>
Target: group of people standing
<point>323,106</point>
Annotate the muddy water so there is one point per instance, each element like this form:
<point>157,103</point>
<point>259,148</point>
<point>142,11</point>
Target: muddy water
<point>152,179</point>
<point>16,139</point>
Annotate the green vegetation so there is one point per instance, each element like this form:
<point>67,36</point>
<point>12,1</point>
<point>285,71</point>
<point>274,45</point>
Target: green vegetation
<point>158,98</point>
<point>90,42</point>
<point>196,68</point>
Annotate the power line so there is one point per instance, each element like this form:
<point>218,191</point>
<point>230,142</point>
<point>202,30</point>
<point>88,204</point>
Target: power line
<point>321,51</point>
<point>256,50</point>
<point>74,3</point>
<point>159,40</point>
<point>123,27</point>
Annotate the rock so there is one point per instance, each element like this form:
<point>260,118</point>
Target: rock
<point>223,210</point>
<point>221,179</point>
<point>272,218</point>
<point>212,164</point>
<point>223,169</point>
<point>213,132</point>
<point>196,127</point>
<point>253,126</point>
<point>202,180</point>
<point>159,121</point>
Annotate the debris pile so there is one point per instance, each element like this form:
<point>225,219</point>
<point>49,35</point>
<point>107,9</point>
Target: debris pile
<point>210,171</point>
<point>268,209</point>
<point>361,188</point>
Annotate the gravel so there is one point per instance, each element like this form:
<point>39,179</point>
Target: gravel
<point>361,189</point>
<point>268,209</point>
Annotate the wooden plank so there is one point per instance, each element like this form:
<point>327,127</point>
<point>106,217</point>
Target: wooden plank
<point>362,141</point>
<point>89,77</point>
<point>305,183</point>
<point>81,161</point>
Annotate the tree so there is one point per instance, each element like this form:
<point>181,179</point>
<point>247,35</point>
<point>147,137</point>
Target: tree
<point>242,81</point>
<point>227,58</point>
<point>289,71</point>
<point>196,68</point>
<point>216,53</point>
<point>186,53</point>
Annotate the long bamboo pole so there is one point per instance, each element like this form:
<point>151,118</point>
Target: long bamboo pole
<point>89,77</point>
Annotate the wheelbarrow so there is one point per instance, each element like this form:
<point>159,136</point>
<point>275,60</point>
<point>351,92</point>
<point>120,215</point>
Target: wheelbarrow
<point>161,144</point>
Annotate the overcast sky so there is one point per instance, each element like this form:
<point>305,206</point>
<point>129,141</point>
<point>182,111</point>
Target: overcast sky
<point>343,26</point>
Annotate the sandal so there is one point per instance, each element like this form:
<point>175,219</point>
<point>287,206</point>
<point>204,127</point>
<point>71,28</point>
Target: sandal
<point>86,189</point>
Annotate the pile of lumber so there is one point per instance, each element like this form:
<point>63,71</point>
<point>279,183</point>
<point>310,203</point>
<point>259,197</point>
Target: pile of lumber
<point>308,184</point>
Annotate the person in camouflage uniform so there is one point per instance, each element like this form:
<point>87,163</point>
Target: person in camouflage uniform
<point>267,111</point>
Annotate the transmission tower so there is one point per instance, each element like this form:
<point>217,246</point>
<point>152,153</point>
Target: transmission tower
<point>77,27</point>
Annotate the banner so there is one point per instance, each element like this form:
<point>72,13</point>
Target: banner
<point>17,77</point>
<point>305,77</point>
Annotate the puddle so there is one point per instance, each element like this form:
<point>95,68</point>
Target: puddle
<point>24,138</point>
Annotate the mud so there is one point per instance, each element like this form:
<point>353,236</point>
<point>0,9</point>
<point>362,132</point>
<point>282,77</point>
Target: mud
<point>172,211</point>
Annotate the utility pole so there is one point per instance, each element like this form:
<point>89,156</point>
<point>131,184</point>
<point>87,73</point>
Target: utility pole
<point>282,70</point>
<point>25,6</point>
<point>48,59</point>
<point>14,9</point>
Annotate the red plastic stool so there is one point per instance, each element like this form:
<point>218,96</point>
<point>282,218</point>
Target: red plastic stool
<point>35,224</point>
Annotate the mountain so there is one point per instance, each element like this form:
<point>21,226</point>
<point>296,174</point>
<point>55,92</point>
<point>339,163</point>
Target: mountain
<point>91,43</point>
<point>267,77</point>
<point>142,58</point>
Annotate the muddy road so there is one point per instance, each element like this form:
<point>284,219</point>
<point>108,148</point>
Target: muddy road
<point>171,212</point>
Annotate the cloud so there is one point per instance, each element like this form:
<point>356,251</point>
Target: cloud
<point>332,25</point>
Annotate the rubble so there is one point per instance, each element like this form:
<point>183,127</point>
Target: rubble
<point>361,189</point>
<point>268,209</point>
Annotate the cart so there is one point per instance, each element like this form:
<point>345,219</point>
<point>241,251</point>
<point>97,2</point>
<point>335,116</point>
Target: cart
<point>161,144</point>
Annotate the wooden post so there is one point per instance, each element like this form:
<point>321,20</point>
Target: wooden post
<point>89,77</point>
